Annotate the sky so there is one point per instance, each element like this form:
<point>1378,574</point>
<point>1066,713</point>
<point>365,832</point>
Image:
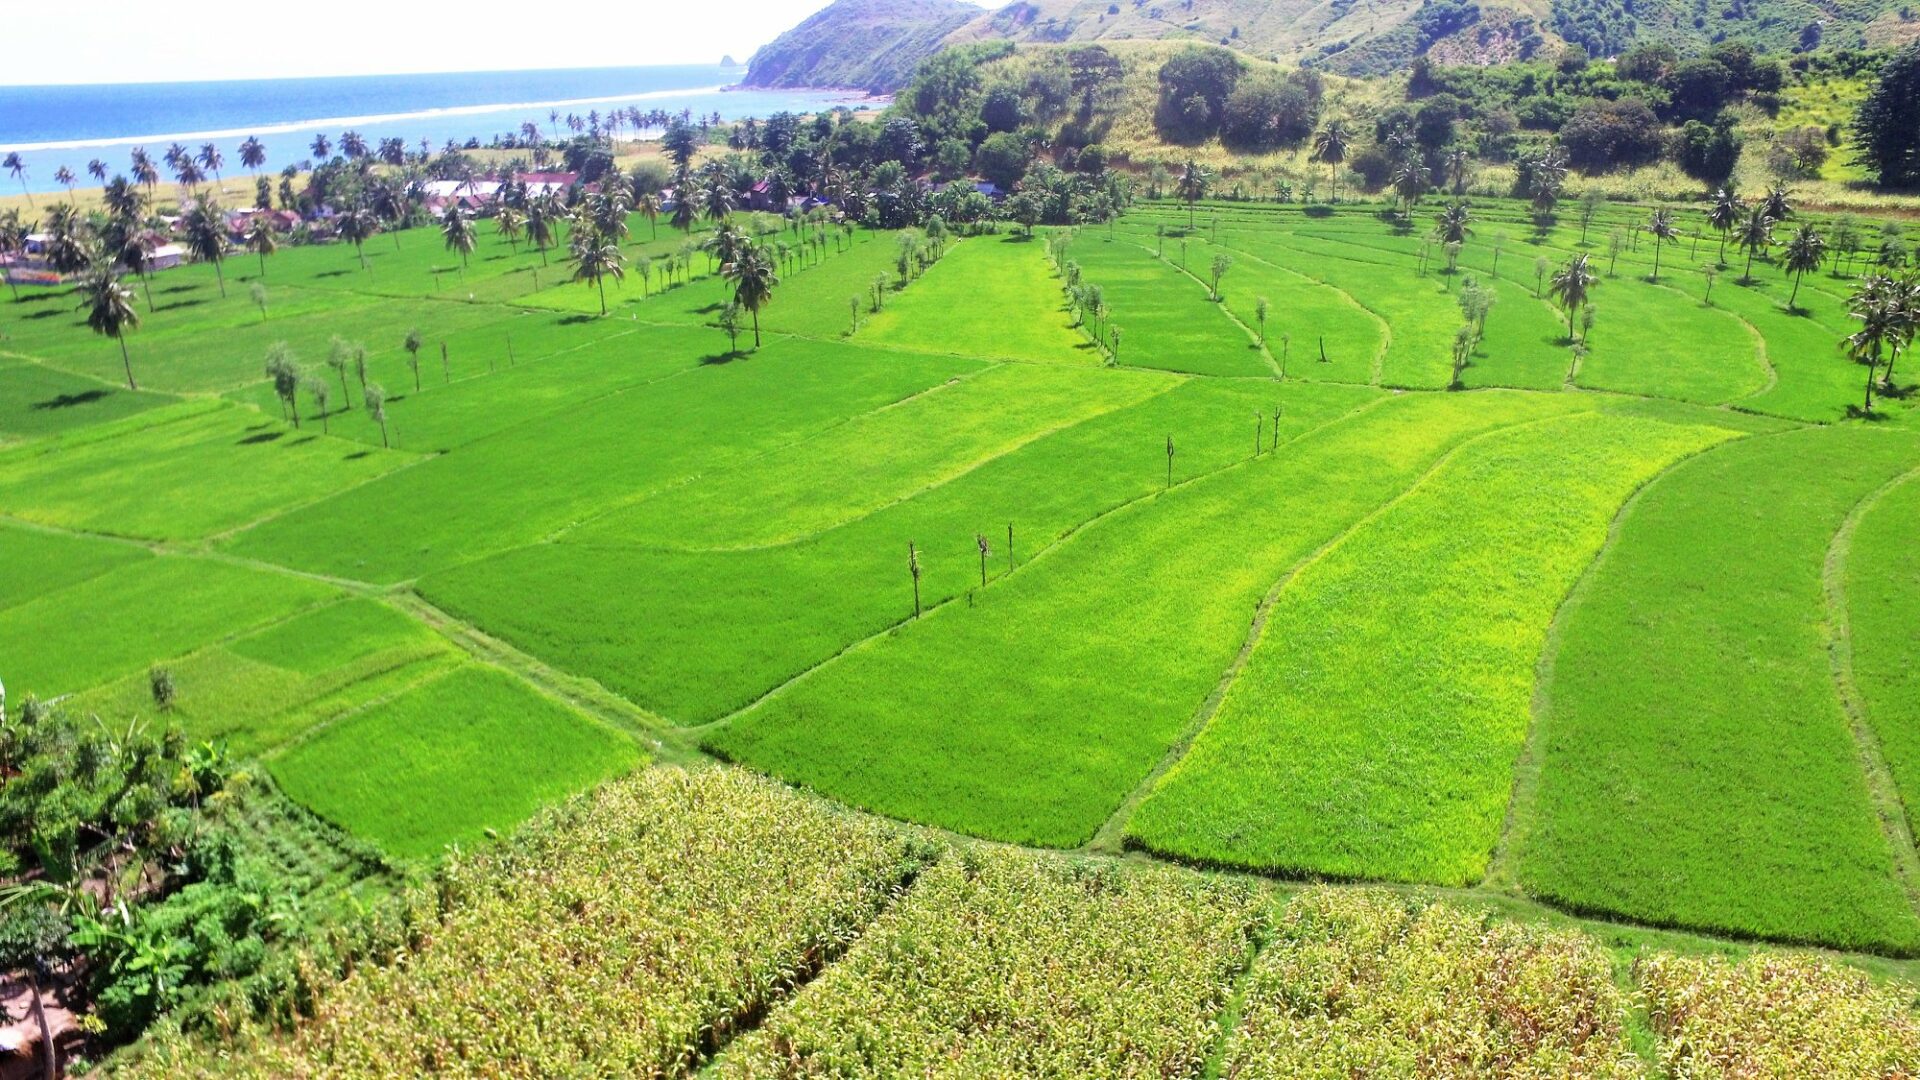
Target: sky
<point>120,41</point>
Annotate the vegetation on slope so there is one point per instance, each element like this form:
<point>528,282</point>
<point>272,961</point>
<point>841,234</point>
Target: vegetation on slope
<point>871,45</point>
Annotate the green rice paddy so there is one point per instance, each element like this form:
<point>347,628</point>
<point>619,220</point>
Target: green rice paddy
<point>1626,630</point>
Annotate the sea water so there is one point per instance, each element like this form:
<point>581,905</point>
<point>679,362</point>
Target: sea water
<point>52,126</point>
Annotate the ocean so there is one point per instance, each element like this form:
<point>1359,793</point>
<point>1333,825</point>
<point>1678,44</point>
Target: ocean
<point>52,126</point>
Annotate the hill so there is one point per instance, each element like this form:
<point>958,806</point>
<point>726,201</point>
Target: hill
<point>875,44</point>
<point>871,45</point>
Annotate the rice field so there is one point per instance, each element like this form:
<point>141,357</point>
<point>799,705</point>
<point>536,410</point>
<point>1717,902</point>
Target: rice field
<point>1208,594</point>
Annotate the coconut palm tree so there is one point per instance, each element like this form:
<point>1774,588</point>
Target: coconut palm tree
<point>595,260</point>
<point>136,256</point>
<point>123,200</point>
<point>1450,225</point>
<point>539,225</point>
<point>1879,326</point>
<point>1331,145</point>
<point>357,226</point>
<point>353,146</point>
<point>1459,163</point>
<point>1410,182</point>
<point>18,169</point>
<point>253,154</point>
<point>686,204</point>
<point>457,229</point>
<point>647,205</point>
<point>65,178</point>
<point>261,239</point>
<point>1660,226</point>
<point>110,312</point>
<point>1723,214</point>
<point>1756,236</point>
<point>98,170</point>
<point>1572,284</point>
<point>144,172</point>
<point>1192,186</point>
<point>321,147</point>
<point>13,240</point>
<point>717,200</point>
<point>1777,206</point>
<point>754,279</point>
<point>211,160</point>
<point>206,235</point>
<point>1806,252</point>
<point>509,222</point>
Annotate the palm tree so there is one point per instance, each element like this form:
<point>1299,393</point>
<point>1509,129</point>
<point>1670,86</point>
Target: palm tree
<point>686,206</point>
<point>261,239</point>
<point>18,169</point>
<point>1410,182</point>
<point>352,145</point>
<point>110,312</point>
<point>509,222</point>
<point>1806,252</point>
<point>1331,146</point>
<point>717,200</point>
<point>595,260</point>
<point>321,147</point>
<point>357,226</point>
<point>457,229</point>
<point>1451,224</point>
<point>206,235</point>
<point>211,159</point>
<point>98,170</point>
<point>1756,236</point>
<point>753,277</point>
<point>1776,204</point>
<point>1459,162</point>
<point>1878,326</point>
<point>540,227</point>
<point>253,154</point>
<point>123,200</point>
<point>64,177</point>
<point>136,255</point>
<point>144,172</point>
<point>647,205</point>
<point>1723,215</point>
<point>1572,284</point>
<point>1660,225</point>
<point>13,240</point>
<point>1192,187</point>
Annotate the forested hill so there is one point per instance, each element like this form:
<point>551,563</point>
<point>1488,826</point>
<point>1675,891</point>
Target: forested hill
<point>875,44</point>
<point>871,45</point>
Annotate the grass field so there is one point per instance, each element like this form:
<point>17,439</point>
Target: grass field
<point>947,720</point>
<point>1383,747</point>
<point>1685,744</point>
<point>1008,276</point>
<point>1623,633</point>
<point>463,755</point>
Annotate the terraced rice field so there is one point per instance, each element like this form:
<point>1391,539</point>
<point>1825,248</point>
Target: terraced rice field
<point>1623,632</point>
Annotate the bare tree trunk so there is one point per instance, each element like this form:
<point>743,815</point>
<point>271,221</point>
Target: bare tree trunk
<point>125,359</point>
<point>50,1063</point>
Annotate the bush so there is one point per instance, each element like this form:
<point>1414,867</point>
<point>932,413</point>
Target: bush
<point>1265,112</point>
<point>1002,158</point>
<point>1707,152</point>
<point>1606,135</point>
<point>1194,87</point>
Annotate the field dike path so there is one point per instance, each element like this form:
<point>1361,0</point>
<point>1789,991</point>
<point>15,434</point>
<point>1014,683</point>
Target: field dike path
<point>1111,836</point>
<point>1881,788</point>
<point>1036,556</point>
<point>1526,770</point>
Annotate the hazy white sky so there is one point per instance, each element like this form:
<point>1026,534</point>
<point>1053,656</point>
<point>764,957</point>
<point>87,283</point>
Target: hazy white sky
<point>140,41</point>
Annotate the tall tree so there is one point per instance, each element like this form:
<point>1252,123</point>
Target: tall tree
<point>357,225</point>
<point>261,239</point>
<point>65,178</point>
<point>206,236</point>
<point>595,260</point>
<point>1723,214</point>
<point>110,312</point>
<point>1660,227</point>
<point>1756,236</point>
<point>1886,127</point>
<point>18,169</point>
<point>1806,252</point>
<point>1331,145</point>
<point>98,170</point>
<point>754,279</point>
<point>1572,284</point>
<point>253,154</point>
<point>1192,187</point>
<point>457,229</point>
<point>211,160</point>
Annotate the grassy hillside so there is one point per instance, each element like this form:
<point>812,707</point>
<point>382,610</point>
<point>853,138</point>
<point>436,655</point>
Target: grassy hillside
<point>871,45</point>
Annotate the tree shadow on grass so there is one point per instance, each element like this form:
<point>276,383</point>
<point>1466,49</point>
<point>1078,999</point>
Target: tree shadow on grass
<point>259,438</point>
<point>68,401</point>
<point>357,455</point>
<point>174,290</point>
<point>717,359</point>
